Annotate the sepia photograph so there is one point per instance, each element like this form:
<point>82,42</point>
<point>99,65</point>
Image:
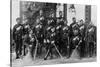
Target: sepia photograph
<point>45,33</point>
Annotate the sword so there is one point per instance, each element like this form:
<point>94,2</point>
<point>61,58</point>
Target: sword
<point>36,48</point>
<point>77,46</point>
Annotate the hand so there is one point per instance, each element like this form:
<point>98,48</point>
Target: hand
<point>52,42</point>
<point>80,40</point>
<point>44,41</point>
<point>77,46</point>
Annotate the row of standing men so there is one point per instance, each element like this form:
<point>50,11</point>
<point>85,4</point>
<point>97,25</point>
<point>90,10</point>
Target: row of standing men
<point>54,33</point>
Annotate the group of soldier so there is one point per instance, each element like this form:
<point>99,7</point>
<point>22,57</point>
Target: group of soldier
<point>54,35</point>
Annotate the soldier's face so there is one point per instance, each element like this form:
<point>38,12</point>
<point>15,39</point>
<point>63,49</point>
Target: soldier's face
<point>58,20</point>
<point>41,12</point>
<point>49,22</point>
<point>52,14</point>
<point>81,21</point>
<point>60,14</point>
<point>74,20</point>
<point>18,21</point>
<point>75,32</point>
<point>31,32</point>
<point>37,20</point>
<point>53,30</point>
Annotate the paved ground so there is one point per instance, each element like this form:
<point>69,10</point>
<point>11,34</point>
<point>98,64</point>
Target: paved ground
<point>27,61</point>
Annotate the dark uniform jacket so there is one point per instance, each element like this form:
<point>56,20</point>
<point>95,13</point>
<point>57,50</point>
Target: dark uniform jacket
<point>18,32</point>
<point>91,33</point>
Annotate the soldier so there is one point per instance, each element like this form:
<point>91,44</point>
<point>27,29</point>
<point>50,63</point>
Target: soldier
<point>42,17</point>
<point>17,36</point>
<point>26,29</point>
<point>50,40</point>
<point>39,34</point>
<point>82,28</point>
<point>59,31</point>
<point>43,22</point>
<point>75,41</point>
<point>60,19</point>
<point>32,40</point>
<point>74,36</point>
<point>47,40</point>
<point>72,26</point>
<point>50,37</point>
<point>65,40</point>
<point>91,39</point>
